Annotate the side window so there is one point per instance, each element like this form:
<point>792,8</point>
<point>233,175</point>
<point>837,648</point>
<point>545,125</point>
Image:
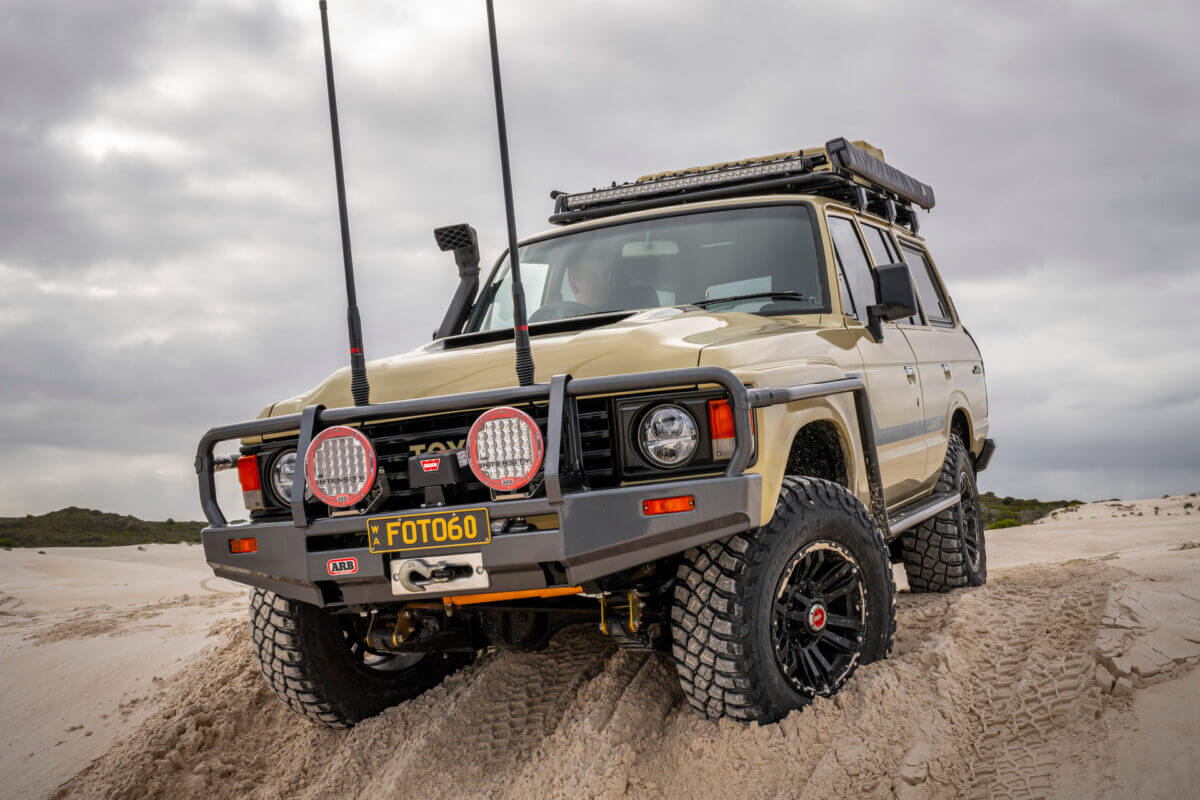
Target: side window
<point>937,309</point>
<point>879,242</point>
<point>855,267</point>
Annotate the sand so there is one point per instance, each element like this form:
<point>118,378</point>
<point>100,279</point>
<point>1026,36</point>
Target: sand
<point>88,637</point>
<point>1068,675</point>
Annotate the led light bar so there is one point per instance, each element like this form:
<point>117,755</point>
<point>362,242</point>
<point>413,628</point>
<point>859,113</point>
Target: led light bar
<point>849,164</point>
<point>705,176</point>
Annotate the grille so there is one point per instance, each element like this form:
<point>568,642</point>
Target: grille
<point>395,443</point>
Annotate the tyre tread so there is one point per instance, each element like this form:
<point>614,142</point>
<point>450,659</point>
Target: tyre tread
<point>715,590</point>
<point>932,551</point>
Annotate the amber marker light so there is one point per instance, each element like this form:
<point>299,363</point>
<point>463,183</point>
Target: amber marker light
<point>247,469</point>
<point>669,505</point>
<point>246,545</point>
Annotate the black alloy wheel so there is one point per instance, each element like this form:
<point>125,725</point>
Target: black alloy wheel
<point>970,521</point>
<point>819,618</point>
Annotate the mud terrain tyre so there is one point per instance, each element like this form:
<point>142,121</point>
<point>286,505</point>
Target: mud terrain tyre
<point>309,659</point>
<point>948,551</point>
<point>763,621</point>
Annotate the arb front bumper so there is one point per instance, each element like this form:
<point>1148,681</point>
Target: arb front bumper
<point>598,532</point>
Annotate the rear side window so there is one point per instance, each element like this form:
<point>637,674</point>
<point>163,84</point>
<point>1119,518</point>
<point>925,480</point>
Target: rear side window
<point>856,270</point>
<point>937,308</point>
<point>883,251</point>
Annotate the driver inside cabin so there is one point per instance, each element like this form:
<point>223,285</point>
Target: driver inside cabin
<point>590,283</point>
<point>596,283</point>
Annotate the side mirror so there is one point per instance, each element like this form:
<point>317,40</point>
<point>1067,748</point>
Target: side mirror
<point>463,240</point>
<point>897,297</point>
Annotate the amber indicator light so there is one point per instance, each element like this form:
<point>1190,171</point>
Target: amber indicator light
<point>669,505</point>
<point>248,473</point>
<point>246,545</point>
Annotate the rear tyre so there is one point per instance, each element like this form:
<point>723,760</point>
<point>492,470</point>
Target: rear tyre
<point>948,551</point>
<point>765,620</point>
<point>321,669</point>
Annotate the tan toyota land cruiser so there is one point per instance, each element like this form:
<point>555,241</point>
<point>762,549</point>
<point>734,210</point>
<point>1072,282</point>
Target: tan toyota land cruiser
<point>752,392</point>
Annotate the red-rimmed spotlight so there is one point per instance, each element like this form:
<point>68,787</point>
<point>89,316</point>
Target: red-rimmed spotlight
<point>339,466</point>
<point>505,448</point>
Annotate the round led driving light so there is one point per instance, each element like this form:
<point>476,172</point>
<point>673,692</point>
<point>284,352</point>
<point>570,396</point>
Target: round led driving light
<point>505,448</point>
<point>339,466</point>
<point>668,436</point>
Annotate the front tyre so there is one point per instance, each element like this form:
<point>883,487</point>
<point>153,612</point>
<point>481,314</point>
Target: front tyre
<point>765,620</point>
<point>316,664</point>
<point>948,551</point>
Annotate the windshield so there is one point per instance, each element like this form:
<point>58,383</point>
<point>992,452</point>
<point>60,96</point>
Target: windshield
<point>763,259</point>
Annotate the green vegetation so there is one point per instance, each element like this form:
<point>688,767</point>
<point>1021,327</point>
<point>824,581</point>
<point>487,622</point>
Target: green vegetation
<point>85,527</point>
<point>1009,512</point>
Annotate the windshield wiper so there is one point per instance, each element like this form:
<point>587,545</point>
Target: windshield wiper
<point>754,296</point>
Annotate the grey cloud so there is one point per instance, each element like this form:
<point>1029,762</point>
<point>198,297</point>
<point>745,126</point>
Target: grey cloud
<point>192,276</point>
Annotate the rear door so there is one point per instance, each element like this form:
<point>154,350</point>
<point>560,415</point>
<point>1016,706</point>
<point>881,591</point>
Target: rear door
<point>889,368</point>
<point>946,356</point>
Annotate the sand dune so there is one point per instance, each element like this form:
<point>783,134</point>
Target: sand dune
<point>1066,678</point>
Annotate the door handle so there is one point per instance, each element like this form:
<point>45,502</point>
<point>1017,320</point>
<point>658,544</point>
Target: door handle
<point>946,369</point>
<point>977,370</point>
<point>909,371</point>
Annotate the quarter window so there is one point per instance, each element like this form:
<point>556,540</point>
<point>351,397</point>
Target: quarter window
<point>937,308</point>
<point>856,269</point>
<point>880,245</point>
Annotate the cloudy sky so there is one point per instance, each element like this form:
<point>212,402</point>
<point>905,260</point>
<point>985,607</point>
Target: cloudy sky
<point>169,256</point>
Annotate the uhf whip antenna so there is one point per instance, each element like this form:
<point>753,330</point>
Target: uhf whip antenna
<point>520,325</point>
<point>359,387</point>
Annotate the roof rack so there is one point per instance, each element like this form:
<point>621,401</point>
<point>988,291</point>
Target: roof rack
<point>853,172</point>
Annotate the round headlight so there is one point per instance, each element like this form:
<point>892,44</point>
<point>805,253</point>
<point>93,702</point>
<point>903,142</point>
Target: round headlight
<point>505,448</point>
<point>339,466</point>
<point>283,471</point>
<point>668,436</point>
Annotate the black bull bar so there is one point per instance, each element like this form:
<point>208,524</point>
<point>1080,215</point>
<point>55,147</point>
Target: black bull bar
<point>560,393</point>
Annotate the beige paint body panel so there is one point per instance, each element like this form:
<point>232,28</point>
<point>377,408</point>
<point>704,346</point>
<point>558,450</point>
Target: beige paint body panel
<point>952,376</point>
<point>763,351</point>
<point>896,400</point>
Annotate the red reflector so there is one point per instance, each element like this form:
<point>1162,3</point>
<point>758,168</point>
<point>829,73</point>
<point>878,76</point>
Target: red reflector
<point>247,545</point>
<point>720,419</point>
<point>248,473</point>
<point>669,505</point>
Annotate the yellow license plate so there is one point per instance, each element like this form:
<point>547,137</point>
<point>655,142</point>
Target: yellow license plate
<point>429,529</point>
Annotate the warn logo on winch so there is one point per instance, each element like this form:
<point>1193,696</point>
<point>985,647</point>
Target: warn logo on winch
<point>342,566</point>
<point>430,464</point>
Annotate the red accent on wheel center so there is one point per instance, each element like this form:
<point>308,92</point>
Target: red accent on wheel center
<point>816,617</point>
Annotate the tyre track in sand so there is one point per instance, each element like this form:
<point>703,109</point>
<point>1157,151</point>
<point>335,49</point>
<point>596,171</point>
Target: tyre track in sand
<point>988,691</point>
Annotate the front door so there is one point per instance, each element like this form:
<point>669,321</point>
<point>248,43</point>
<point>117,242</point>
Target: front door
<point>889,369</point>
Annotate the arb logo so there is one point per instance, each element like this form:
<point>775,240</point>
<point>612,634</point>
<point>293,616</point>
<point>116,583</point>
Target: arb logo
<point>342,566</point>
<point>430,464</point>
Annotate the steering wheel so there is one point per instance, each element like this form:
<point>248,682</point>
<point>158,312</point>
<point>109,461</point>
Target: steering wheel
<point>560,309</point>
